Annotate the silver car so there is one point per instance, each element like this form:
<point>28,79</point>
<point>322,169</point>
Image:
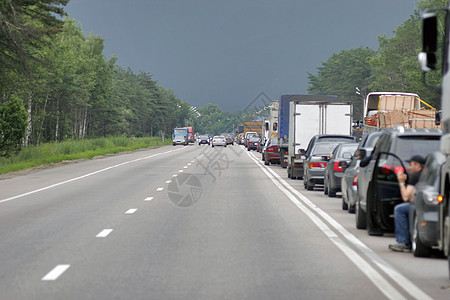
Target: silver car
<point>219,140</point>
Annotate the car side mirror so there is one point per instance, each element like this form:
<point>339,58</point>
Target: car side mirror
<point>344,164</point>
<point>427,58</point>
<point>362,153</point>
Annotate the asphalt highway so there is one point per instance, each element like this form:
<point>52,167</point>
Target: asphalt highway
<point>193,222</point>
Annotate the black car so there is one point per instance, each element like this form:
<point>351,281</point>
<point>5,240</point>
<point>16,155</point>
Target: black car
<point>424,211</point>
<point>378,189</point>
<point>253,143</point>
<point>203,139</point>
<point>334,172</point>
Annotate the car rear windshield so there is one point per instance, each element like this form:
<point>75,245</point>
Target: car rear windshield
<point>335,139</point>
<point>422,145</point>
<point>323,148</point>
<point>347,149</point>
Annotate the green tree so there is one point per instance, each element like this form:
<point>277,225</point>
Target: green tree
<point>13,121</point>
<point>342,73</point>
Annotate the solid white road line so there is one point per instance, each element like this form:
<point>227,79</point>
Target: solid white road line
<point>378,280</point>
<point>104,233</point>
<point>55,273</point>
<point>409,287</point>
<point>86,175</point>
<point>131,211</point>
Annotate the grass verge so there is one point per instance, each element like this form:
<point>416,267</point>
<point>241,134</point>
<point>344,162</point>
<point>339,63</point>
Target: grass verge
<point>49,153</point>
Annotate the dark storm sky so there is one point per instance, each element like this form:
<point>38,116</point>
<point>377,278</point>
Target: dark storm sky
<point>227,52</point>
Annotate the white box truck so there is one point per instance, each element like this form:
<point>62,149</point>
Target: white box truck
<point>310,116</point>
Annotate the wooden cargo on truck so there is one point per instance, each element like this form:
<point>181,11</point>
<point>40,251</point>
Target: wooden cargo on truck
<point>253,126</point>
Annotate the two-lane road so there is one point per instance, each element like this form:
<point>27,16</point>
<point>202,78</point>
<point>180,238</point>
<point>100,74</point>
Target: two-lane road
<point>192,222</point>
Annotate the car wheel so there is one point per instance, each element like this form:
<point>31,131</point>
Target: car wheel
<point>351,208</point>
<point>309,187</point>
<point>331,192</point>
<point>360,216</point>
<point>212,146</point>
<point>418,248</point>
<point>344,204</point>
<point>266,162</point>
<point>325,187</point>
<point>289,172</point>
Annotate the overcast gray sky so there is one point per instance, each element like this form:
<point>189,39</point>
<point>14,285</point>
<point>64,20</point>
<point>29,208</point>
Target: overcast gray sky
<point>227,52</point>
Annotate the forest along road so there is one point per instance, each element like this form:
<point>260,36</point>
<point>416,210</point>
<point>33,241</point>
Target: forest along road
<point>193,222</point>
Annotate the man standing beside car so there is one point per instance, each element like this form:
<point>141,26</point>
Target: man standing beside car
<point>401,211</point>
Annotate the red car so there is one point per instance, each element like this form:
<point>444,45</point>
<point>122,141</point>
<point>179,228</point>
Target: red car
<point>271,152</point>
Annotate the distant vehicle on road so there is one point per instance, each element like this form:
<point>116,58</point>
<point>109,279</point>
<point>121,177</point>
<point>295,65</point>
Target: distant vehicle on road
<point>180,136</point>
<point>253,142</point>
<point>219,140</point>
<point>203,139</point>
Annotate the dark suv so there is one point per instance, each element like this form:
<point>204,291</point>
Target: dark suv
<point>378,189</point>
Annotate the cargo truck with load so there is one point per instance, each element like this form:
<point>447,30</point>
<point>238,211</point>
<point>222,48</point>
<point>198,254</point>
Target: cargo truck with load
<point>428,62</point>
<point>391,109</point>
<point>191,136</point>
<point>252,128</point>
<point>309,116</point>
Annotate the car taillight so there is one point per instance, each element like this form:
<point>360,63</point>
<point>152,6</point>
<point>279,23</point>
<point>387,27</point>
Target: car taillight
<point>355,180</point>
<point>337,168</point>
<point>214,140</point>
<point>250,143</point>
<point>270,149</point>
<point>318,165</point>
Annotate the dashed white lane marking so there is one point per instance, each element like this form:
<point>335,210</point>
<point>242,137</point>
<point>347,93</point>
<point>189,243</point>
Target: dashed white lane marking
<point>159,189</point>
<point>175,175</point>
<point>189,164</point>
<point>185,167</point>
<point>131,211</point>
<point>104,233</point>
<point>181,171</point>
<point>148,199</point>
<point>84,176</point>
<point>55,273</point>
<point>168,181</point>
